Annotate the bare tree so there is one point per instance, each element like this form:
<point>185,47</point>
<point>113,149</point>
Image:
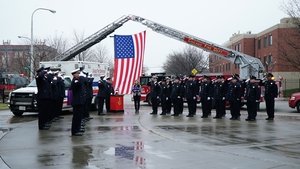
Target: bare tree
<point>289,49</point>
<point>77,39</point>
<point>98,54</point>
<point>184,62</point>
<point>292,8</point>
<point>59,43</point>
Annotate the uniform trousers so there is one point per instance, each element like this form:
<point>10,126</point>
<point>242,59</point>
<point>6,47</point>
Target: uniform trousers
<point>252,109</point>
<point>77,118</point>
<point>270,103</point>
<point>44,112</point>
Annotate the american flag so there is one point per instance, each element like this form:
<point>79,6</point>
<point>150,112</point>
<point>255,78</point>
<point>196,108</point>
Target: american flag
<point>129,59</point>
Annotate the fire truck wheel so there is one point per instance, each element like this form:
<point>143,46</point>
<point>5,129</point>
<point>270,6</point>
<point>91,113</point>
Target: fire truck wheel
<point>298,107</point>
<point>17,113</point>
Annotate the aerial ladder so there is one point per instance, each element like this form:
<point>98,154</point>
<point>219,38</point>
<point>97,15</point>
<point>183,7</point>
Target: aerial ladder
<point>249,65</point>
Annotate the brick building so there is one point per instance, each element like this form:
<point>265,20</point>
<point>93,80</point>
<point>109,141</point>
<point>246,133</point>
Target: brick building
<point>267,46</point>
<point>16,58</point>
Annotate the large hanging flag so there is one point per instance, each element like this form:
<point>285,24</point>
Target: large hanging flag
<point>129,59</point>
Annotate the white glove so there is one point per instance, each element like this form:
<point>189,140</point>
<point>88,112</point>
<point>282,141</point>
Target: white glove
<point>194,98</point>
<point>223,98</point>
<point>208,98</point>
<point>167,98</point>
<point>178,97</point>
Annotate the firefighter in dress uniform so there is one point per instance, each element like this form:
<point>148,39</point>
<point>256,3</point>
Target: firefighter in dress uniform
<point>206,94</point>
<point>164,96</point>
<point>154,94</point>
<point>55,93</point>
<point>234,96</point>
<point>109,91</point>
<point>191,94</point>
<point>62,94</point>
<point>176,96</point>
<point>219,97</point>
<point>182,89</point>
<point>43,98</point>
<point>271,92</point>
<point>168,95</point>
<point>252,95</point>
<point>101,95</point>
<point>78,102</point>
<point>89,95</point>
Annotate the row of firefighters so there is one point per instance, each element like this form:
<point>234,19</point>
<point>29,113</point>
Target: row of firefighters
<point>51,93</point>
<point>219,91</point>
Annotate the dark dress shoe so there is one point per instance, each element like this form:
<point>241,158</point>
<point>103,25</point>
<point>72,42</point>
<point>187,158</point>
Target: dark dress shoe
<point>77,134</point>
<point>269,118</point>
<point>44,128</point>
<point>153,113</point>
<point>216,117</point>
<point>204,117</point>
<point>190,115</point>
<point>175,115</point>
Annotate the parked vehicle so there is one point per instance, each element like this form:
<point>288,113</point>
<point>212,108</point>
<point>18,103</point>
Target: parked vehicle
<point>294,101</point>
<point>24,99</point>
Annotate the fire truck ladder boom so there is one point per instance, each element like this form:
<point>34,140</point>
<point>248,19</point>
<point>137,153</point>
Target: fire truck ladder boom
<point>248,65</point>
<point>92,40</point>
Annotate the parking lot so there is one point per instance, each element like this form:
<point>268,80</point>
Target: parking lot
<point>133,140</point>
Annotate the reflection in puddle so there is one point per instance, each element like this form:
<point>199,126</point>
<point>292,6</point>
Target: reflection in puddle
<point>133,152</point>
<point>118,128</point>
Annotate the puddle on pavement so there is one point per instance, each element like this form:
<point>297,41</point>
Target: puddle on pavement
<point>118,128</point>
<point>22,119</point>
<point>212,135</point>
<point>289,150</point>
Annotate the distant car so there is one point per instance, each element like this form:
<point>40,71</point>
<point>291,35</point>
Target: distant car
<point>294,101</point>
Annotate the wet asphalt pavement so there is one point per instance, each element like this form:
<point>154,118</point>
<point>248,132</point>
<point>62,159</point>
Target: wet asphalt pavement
<point>130,140</point>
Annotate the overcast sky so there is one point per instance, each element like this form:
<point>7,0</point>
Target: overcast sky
<point>212,20</point>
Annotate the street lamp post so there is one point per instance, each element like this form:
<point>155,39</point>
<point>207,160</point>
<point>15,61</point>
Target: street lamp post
<point>26,67</point>
<point>31,41</point>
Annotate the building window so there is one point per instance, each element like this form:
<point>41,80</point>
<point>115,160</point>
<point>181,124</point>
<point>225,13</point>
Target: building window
<point>265,60</point>
<point>265,41</point>
<point>270,40</point>
<point>258,43</point>
<point>270,59</point>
